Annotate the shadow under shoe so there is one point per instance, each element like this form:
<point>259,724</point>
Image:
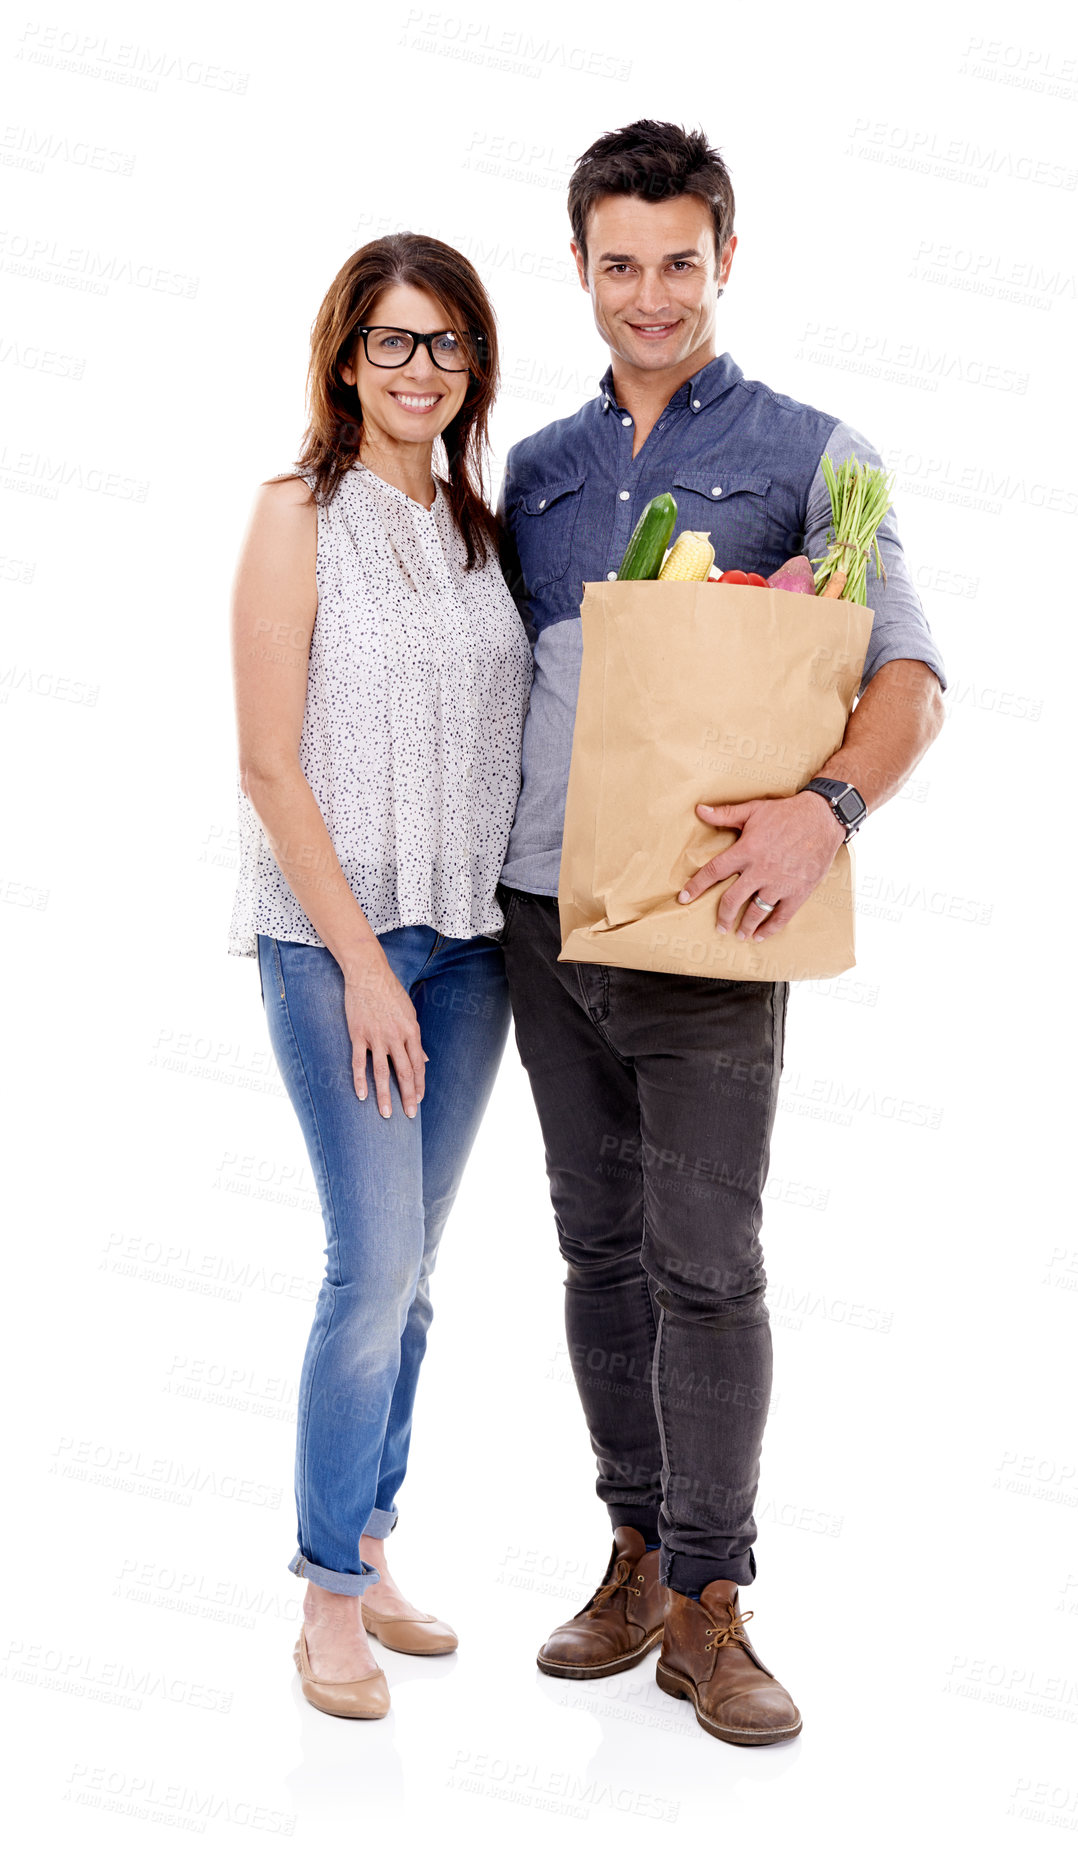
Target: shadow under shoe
<point>707,1658</point>
<point>619,1625</point>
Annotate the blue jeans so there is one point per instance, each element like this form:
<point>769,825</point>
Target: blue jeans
<point>386,1188</point>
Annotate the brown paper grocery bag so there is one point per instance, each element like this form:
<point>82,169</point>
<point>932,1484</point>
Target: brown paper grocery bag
<point>700,693</point>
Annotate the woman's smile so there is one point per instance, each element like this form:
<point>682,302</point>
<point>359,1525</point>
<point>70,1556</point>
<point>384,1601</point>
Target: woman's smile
<point>416,402</point>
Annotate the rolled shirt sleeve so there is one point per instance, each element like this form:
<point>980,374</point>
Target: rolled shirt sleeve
<point>899,626</point>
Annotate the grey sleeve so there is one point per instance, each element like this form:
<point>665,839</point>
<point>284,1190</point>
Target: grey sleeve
<point>899,627</point>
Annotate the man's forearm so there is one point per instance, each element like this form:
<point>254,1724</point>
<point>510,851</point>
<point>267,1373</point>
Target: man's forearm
<point>891,728</point>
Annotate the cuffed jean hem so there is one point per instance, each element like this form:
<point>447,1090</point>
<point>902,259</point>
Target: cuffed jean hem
<point>644,1518</point>
<point>344,1583</point>
<point>690,1575</point>
<point>380,1525</point>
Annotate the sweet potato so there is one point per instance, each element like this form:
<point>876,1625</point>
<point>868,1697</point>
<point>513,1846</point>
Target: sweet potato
<point>795,576</point>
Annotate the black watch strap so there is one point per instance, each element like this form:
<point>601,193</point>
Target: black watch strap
<point>845,801</point>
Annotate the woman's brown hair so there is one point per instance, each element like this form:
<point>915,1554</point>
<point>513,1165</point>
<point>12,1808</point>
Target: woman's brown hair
<point>331,441</point>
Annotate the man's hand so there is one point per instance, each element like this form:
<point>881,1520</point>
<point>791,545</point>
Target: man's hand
<point>785,849</point>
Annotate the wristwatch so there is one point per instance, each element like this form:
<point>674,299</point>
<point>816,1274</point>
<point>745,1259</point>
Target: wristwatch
<point>845,801</point>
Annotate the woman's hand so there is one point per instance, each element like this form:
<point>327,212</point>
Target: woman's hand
<point>381,1018</point>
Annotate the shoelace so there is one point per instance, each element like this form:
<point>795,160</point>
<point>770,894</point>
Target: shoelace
<point>729,1632</point>
<point>621,1576</point>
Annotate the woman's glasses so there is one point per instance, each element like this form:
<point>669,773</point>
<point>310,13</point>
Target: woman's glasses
<point>453,353</point>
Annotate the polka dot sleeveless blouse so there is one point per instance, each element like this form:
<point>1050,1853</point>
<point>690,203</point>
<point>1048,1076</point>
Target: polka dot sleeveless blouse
<point>417,687</point>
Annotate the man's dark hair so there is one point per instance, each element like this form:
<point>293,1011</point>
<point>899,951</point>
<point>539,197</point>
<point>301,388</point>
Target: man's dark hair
<point>653,161</point>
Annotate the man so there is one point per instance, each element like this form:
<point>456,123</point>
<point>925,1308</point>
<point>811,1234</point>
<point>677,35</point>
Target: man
<point>666,1320</point>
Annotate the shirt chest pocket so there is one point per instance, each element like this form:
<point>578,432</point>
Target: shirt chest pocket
<point>736,507</point>
<point>544,522</point>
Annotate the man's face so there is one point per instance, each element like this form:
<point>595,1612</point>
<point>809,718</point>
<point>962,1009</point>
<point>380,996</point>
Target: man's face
<point>653,278</point>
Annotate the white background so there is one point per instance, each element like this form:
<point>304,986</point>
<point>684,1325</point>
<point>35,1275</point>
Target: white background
<point>905,184</point>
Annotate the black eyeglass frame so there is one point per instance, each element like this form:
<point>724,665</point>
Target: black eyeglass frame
<point>425,341</point>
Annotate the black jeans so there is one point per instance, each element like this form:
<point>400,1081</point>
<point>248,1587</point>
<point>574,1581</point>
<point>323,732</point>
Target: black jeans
<point>656,1096</point>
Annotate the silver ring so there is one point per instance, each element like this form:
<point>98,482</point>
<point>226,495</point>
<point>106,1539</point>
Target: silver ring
<point>766,907</point>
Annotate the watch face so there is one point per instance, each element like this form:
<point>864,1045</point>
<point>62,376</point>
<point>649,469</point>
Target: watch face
<point>850,807</point>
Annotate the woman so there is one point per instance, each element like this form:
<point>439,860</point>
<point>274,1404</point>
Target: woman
<point>382,675</point>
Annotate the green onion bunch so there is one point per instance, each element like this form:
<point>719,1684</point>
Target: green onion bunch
<point>860,498</point>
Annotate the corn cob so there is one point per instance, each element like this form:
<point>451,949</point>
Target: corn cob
<point>691,557</point>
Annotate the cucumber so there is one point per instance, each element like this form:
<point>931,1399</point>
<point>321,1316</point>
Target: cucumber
<point>649,540</point>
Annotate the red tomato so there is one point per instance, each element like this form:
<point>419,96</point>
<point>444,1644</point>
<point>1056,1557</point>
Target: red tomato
<point>755,579</point>
<point>734,578</point>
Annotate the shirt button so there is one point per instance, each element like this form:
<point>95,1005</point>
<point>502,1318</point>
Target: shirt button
<point>696,405</point>
<point>626,421</point>
<point>623,495</point>
<point>716,491</point>
<point>611,576</point>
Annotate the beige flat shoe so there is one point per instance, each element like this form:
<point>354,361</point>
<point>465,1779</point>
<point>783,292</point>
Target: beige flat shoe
<point>418,1635</point>
<point>345,1699</point>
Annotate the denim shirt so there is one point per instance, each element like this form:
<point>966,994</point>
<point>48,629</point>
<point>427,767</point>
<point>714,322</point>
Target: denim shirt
<point>742,462</point>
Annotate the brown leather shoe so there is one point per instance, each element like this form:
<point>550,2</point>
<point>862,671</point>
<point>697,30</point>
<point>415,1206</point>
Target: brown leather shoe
<point>621,1622</point>
<point>707,1658</point>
